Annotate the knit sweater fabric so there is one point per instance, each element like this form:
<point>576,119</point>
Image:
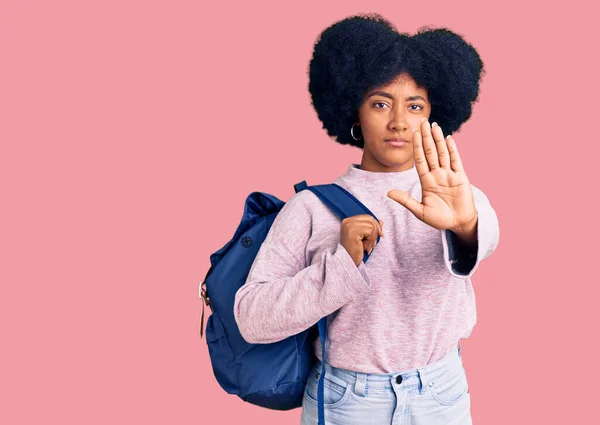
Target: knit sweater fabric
<point>406,307</point>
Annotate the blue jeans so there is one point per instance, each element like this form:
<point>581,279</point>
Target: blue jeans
<point>436,394</point>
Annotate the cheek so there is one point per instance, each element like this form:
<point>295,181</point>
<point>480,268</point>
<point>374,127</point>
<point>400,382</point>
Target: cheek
<point>415,123</point>
<point>374,123</point>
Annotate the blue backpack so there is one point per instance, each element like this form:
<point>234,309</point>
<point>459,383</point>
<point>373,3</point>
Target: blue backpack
<point>268,375</point>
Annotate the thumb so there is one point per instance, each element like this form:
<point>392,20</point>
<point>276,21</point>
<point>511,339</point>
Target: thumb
<point>406,201</point>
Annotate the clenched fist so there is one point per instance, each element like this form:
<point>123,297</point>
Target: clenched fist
<point>358,234</point>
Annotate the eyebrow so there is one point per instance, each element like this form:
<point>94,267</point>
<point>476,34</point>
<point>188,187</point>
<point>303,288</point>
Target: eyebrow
<point>384,94</point>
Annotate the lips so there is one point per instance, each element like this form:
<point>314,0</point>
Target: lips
<point>396,142</point>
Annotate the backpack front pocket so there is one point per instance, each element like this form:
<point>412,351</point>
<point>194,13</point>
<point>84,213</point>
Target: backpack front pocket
<point>221,354</point>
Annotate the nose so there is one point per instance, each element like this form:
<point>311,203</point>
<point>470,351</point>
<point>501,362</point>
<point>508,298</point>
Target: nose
<point>398,121</point>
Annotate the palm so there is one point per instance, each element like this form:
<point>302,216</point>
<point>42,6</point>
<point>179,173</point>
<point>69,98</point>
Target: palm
<point>447,198</point>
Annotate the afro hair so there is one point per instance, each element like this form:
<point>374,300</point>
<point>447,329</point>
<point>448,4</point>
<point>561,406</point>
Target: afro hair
<point>363,52</point>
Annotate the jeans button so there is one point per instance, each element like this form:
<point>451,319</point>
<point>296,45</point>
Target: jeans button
<point>399,379</point>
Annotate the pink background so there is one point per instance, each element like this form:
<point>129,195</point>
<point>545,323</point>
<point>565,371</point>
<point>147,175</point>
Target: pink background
<point>132,131</point>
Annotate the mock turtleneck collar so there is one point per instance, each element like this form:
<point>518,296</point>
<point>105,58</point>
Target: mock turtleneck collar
<point>380,179</point>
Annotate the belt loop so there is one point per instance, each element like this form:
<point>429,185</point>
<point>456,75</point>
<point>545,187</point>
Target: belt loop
<point>423,380</point>
<point>360,386</point>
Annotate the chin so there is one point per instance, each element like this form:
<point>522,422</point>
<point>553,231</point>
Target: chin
<point>394,160</point>
<point>396,164</point>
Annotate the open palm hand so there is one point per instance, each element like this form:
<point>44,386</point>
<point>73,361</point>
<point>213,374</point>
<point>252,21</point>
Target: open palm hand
<point>447,197</point>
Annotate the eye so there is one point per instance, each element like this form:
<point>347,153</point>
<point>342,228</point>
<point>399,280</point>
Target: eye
<point>416,109</point>
<point>378,103</point>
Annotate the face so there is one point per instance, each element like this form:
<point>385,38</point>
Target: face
<point>390,112</point>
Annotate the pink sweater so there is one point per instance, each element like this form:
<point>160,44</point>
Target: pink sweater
<point>406,307</point>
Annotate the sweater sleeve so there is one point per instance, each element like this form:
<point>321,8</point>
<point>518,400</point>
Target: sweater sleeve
<point>283,295</point>
<point>462,261</point>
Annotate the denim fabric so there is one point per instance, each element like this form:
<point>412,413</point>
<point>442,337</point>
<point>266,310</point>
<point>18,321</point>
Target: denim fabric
<point>436,394</point>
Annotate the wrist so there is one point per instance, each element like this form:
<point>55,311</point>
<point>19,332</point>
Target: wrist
<point>466,227</point>
<point>467,232</point>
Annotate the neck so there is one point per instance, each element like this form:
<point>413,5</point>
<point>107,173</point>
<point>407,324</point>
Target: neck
<point>370,164</point>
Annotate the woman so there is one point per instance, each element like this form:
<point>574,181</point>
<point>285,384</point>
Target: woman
<point>394,323</point>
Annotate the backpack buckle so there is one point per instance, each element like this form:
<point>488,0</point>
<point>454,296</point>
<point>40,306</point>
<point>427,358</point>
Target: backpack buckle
<point>203,294</point>
<point>206,300</point>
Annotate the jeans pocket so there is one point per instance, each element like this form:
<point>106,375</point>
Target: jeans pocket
<point>450,387</point>
<point>335,392</point>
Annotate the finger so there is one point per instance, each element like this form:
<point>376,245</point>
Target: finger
<point>368,224</point>
<point>429,145</point>
<point>368,232</point>
<point>375,233</point>
<point>358,219</point>
<point>362,227</point>
<point>440,142</point>
<point>377,230</point>
<point>407,201</point>
<point>455,161</point>
<point>371,242</point>
<point>363,218</point>
<point>368,246</point>
<point>419,154</point>
<point>377,227</point>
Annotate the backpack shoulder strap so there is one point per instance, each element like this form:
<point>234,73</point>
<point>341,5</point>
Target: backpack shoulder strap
<point>344,205</point>
<point>339,200</point>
